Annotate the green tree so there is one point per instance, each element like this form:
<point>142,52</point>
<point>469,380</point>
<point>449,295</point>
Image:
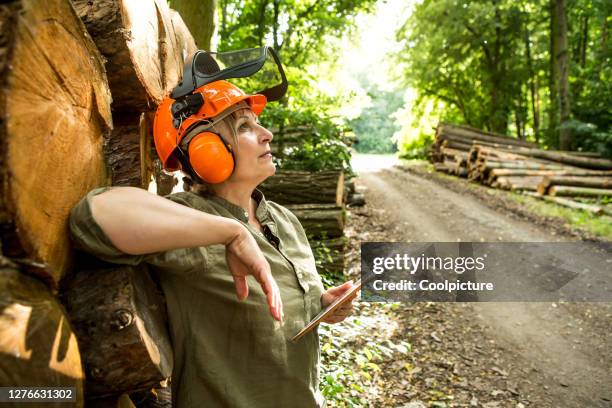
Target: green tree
<point>303,34</point>
<point>199,16</point>
<point>498,64</point>
<point>375,127</point>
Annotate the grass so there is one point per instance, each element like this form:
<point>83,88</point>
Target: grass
<point>600,226</point>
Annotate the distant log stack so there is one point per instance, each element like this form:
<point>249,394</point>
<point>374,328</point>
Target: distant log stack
<point>299,187</point>
<point>502,162</point>
<point>317,199</point>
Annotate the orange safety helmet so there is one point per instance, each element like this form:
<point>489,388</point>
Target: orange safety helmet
<point>182,134</point>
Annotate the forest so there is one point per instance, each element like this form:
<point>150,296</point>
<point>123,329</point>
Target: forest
<point>388,101</point>
<point>534,70</point>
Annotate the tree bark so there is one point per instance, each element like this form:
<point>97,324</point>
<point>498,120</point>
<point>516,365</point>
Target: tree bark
<point>144,46</point>
<point>532,86</point>
<point>199,16</point>
<point>574,180</point>
<point>529,183</point>
<point>560,71</point>
<point>466,134</point>
<point>320,220</point>
<point>37,345</point>
<point>571,203</point>
<point>567,158</point>
<point>127,35</point>
<point>54,117</point>
<point>119,316</point>
<point>303,187</point>
<point>579,191</point>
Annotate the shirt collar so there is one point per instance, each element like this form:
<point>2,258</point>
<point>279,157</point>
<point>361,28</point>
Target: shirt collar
<point>261,212</point>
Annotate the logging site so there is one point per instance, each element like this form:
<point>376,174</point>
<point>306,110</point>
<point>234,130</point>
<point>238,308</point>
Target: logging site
<point>306,203</point>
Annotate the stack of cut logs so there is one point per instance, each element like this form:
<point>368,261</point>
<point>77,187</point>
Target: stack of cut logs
<point>317,200</point>
<point>79,82</point>
<point>502,162</point>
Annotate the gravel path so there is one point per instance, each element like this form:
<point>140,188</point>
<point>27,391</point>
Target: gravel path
<point>508,354</point>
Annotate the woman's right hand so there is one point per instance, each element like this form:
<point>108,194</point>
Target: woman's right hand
<point>245,258</point>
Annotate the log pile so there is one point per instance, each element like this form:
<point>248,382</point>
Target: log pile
<point>317,199</point>
<point>511,164</point>
<point>299,187</point>
<point>79,82</point>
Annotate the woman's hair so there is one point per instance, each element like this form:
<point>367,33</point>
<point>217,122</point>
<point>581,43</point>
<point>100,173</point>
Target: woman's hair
<point>198,185</point>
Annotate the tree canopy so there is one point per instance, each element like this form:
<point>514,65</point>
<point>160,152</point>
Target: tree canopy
<point>531,68</point>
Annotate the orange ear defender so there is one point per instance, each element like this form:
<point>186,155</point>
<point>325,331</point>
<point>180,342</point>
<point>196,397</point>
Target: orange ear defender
<point>209,156</point>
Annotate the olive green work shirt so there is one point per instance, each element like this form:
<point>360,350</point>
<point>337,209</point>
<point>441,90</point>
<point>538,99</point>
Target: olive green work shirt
<point>231,353</point>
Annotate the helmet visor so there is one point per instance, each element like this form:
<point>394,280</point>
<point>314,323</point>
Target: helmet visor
<point>254,70</point>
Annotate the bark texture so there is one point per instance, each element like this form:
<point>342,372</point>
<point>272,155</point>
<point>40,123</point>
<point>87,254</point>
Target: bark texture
<point>119,316</point>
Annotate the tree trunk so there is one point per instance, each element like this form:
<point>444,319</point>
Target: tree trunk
<point>199,15</point>
<point>567,158</point>
<point>560,102</point>
<point>579,191</point>
<point>532,86</point>
<point>529,183</point>
<point>571,204</point>
<point>37,345</point>
<point>467,134</point>
<point>144,52</point>
<point>320,220</point>
<point>119,316</point>
<point>574,180</point>
<point>303,187</point>
<point>54,117</point>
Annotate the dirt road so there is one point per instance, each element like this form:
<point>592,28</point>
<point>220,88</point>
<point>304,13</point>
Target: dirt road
<point>560,354</point>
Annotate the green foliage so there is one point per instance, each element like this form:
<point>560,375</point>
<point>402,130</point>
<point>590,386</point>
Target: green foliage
<point>463,58</point>
<point>418,147</point>
<point>320,148</point>
<point>301,32</point>
<point>350,370</point>
<point>324,261</point>
<point>298,29</point>
<point>489,62</point>
<point>375,127</point>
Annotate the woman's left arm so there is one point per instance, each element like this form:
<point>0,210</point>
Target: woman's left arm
<point>332,294</point>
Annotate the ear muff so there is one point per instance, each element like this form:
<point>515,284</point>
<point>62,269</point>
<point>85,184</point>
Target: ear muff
<point>210,157</point>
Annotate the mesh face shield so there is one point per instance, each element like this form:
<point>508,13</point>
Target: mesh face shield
<point>254,70</point>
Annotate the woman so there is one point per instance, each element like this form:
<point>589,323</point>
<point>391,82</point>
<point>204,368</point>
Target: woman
<point>237,271</point>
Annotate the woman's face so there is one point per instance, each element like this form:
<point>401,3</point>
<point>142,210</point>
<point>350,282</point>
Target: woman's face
<point>253,157</point>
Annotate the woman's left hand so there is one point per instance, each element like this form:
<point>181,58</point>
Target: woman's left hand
<point>332,294</point>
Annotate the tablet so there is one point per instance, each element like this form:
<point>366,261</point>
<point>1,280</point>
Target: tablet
<point>328,310</point>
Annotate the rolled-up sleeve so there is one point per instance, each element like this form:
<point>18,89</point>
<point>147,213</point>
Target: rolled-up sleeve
<point>87,235</point>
